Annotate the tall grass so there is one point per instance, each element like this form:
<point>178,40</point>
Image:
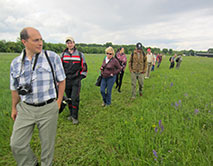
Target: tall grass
<point>171,124</point>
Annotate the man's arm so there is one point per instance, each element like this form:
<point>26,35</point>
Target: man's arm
<point>15,101</point>
<point>61,88</point>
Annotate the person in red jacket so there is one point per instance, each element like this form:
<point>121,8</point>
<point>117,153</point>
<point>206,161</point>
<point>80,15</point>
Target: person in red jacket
<point>75,68</point>
<point>109,69</point>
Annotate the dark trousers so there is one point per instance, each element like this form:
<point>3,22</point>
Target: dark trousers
<point>72,91</point>
<point>119,79</point>
<point>172,65</point>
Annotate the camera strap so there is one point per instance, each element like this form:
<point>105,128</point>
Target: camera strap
<point>54,79</point>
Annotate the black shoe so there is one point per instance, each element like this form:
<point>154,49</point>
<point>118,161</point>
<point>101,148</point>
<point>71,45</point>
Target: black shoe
<point>116,86</point>
<point>119,90</point>
<point>37,164</point>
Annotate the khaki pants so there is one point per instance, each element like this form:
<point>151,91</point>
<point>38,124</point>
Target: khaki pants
<point>45,117</point>
<point>149,66</point>
<point>134,78</point>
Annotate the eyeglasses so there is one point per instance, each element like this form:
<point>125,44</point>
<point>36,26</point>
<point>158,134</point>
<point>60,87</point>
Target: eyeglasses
<point>109,53</point>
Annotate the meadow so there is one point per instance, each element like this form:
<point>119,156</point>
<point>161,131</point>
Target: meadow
<point>170,125</point>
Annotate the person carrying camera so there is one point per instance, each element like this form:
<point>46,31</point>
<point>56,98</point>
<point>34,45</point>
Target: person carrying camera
<point>34,99</point>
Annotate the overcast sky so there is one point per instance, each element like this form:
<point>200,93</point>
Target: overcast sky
<point>176,24</point>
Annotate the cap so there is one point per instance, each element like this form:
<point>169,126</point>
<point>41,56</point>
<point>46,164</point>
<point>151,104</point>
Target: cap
<point>69,39</point>
<point>148,49</point>
<point>139,46</point>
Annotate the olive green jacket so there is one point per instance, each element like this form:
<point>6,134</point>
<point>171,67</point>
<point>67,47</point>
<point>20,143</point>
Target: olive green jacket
<point>138,62</point>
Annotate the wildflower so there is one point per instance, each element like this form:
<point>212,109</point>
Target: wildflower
<point>196,111</point>
<point>179,101</point>
<point>155,154</point>
<point>156,129</point>
<point>176,104</point>
<point>153,125</point>
<point>162,128</point>
<point>171,84</point>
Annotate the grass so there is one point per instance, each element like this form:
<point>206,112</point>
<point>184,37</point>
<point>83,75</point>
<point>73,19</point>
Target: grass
<point>170,125</point>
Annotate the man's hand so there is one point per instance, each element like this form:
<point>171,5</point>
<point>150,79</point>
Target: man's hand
<point>59,104</point>
<point>14,114</point>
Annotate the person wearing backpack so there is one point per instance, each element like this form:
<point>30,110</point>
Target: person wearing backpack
<point>109,69</point>
<point>121,57</point>
<point>172,61</point>
<point>178,61</point>
<point>75,68</point>
<point>137,67</point>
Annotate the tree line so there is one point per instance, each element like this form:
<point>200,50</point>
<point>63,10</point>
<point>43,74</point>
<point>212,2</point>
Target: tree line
<point>17,47</point>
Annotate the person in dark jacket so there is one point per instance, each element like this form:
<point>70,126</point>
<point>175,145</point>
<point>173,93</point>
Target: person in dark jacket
<point>75,68</point>
<point>109,69</point>
<point>121,57</point>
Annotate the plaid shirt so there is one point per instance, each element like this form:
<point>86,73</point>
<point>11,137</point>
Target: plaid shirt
<point>41,78</point>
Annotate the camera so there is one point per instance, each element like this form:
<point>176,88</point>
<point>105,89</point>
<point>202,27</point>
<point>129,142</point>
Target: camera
<point>25,89</point>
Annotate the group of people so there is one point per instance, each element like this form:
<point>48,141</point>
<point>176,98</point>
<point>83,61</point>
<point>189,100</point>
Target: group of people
<point>39,78</point>
<point>173,59</point>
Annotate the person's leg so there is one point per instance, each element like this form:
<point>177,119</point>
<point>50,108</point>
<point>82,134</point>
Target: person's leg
<point>117,80</point>
<point>75,97</point>
<point>102,89</point>
<point>22,133</point>
<point>47,126</point>
<point>121,78</point>
<point>110,83</point>
<point>141,83</point>
<point>133,83</point>
<point>68,94</point>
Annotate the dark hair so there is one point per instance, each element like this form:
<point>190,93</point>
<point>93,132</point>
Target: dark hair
<point>24,35</point>
<point>119,49</point>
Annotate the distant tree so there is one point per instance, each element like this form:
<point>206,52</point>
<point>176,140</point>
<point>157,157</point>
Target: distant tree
<point>165,51</point>
<point>191,53</point>
<point>108,44</point>
<point>170,51</point>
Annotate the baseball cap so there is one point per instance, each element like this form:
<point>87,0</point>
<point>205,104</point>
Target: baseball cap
<point>69,38</point>
<point>139,46</point>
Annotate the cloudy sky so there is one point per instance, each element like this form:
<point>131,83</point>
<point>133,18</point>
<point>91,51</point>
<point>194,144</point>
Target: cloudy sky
<point>176,24</point>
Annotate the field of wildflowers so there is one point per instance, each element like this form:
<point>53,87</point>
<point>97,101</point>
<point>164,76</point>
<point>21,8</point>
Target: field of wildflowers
<point>171,124</point>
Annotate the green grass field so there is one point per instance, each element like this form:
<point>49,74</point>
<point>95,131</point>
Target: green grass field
<point>171,125</point>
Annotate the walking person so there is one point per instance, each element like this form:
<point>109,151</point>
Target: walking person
<point>150,62</point>
<point>178,61</point>
<point>75,67</point>
<point>172,61</point>
<point>159,59</point>
<point>137,66</point>
<point>121,57</point>
<point>109,69</point>
<point>34,99</point>
<point>153,65</point>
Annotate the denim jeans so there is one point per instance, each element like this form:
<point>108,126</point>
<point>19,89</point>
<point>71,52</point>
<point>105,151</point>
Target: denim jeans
<point>107,83</point>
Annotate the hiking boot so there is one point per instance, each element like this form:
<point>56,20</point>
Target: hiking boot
<point>74,121</point>
<point>141,94</point>
<point>132,98</point>
<point>103,104</point>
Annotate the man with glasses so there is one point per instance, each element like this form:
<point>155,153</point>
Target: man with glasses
<point>34,99</point>
<point>75,69</point>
